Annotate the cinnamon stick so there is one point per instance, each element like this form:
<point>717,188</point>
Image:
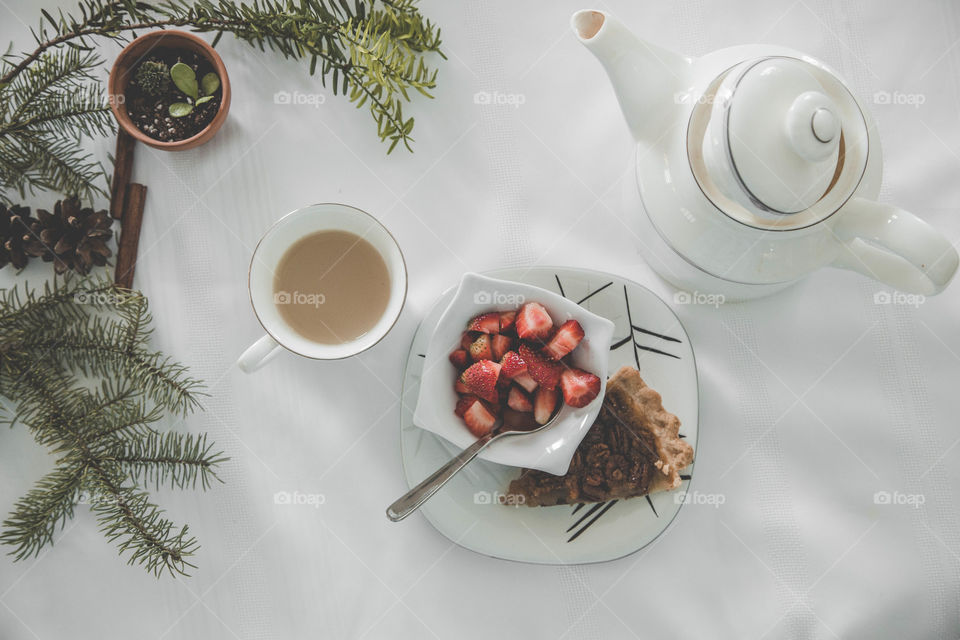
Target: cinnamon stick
<point>130,221</point>
<point>122,172</point>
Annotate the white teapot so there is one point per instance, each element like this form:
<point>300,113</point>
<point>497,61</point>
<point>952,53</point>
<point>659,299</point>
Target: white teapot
<point>754,166</point>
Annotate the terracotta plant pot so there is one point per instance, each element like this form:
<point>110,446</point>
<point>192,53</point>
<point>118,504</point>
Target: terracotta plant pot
<point>139,49</point>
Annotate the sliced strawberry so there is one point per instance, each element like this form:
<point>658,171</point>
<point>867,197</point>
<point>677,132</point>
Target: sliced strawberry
<point>565,340</point>
<point>533,322</point>
<point>500,345</point>
<point>479,419</point>
<point>518,421</point>
<point>459,359</point>
<point>518,400</point>
<point>544,403</point>
<point>481,379</point>
<point>545,372</point>
<point>465,403</point>
<point>513,364</point>
<point>480,349</point>
<point>485,323</point>
<point>525,381</point>
<point>579,387</point>
<point>466,339</point>
<point>507,319</point>
<point>460,388</point>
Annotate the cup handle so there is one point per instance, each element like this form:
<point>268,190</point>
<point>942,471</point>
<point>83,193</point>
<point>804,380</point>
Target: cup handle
<point>894,246</point>
<point>258,354</point>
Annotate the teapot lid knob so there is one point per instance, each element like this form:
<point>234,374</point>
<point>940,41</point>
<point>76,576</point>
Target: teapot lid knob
<point>813,126</point>
<point>824,125</point>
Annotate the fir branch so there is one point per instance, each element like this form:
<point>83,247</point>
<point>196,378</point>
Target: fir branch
<point>372,52</point>
<point>177,459</point>
<point>128,517</point>
<point>104,437</point>
<point>43,511</point>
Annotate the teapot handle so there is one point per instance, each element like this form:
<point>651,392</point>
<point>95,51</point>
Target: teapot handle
<point>894,246</point>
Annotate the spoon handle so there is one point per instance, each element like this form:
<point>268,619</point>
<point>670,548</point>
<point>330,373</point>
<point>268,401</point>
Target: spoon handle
<point>412,500</point>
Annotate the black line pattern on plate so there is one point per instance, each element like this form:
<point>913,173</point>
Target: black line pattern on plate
<point>637,347</point>
<point>589,513</point>
<point>559,285</point>
<point>652,350</point>
<point>626,299</point>
<point>606,507</point>
<point>656,335</point>
<point>652,508</point>
<point>593,293</point>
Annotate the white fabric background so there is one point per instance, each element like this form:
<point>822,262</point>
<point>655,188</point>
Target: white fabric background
<point>812,400</point>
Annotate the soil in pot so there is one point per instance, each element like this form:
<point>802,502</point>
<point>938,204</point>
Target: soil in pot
<point>151,113</point>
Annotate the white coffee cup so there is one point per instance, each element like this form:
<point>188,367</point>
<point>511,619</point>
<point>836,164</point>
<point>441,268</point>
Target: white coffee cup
<point>266,257</point>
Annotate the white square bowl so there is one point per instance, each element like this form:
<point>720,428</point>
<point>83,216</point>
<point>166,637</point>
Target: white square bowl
<point>550,450</point>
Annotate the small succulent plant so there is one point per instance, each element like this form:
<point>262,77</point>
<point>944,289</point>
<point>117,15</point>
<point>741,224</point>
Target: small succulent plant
<point>197,93</point>
<point>153,77</point>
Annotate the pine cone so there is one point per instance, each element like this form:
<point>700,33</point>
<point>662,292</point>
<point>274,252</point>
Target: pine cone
<point>72,237</point>
<point>15,235</point>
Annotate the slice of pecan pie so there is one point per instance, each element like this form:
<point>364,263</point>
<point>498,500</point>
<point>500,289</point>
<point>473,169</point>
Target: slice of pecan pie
<point>632,449</point>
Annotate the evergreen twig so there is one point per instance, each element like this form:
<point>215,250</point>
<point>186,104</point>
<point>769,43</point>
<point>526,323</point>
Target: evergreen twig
<point>371,51</point>
<point>53,343</point>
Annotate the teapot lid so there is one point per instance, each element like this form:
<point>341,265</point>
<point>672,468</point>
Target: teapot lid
<point>778,142</point>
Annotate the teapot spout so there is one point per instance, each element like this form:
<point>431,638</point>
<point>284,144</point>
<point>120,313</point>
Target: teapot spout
<point>646,78</point>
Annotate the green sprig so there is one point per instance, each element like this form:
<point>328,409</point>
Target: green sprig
<point>371,51</point>
<point>53,344</point>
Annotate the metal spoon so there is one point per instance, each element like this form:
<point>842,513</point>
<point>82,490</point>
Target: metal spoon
<point>413,499</point>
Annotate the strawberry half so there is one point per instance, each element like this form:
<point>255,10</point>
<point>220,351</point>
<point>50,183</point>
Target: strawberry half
<point>481,349</point>
<point>465,403</point>
<point>507,319</point>
<point>565,340</point>
<point>518,400</point>
<point>485,323</point>
<point>500,345</point>
<point>513,364</point>
<point>544,403</point>
<point>533,322</point>
<point>579,387</point>
<point>481,379</point>
<point>525,381</point>
<point>479,419</point>
<point>545,372</point>
<point>459,359</point>
<point>466,339</point>
<point>460,388</point>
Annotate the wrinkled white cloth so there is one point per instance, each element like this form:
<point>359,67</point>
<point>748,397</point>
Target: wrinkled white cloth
<point>818,406</point>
